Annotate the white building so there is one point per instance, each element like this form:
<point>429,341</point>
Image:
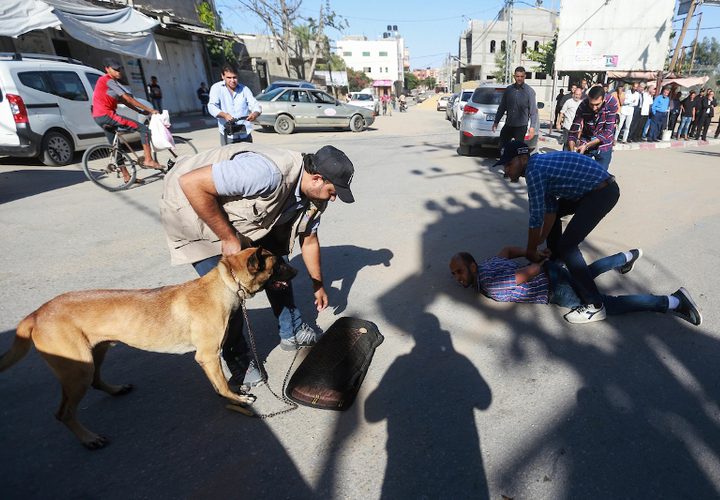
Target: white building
<point>481,43</point>
<point>381,60</point>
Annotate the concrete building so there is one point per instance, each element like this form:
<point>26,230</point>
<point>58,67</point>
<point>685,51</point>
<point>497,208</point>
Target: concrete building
<point>381,60</point>
<point>483,41</point>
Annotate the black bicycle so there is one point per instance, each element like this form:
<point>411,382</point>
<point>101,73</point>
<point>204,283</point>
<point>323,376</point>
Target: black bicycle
<point>114,166</point>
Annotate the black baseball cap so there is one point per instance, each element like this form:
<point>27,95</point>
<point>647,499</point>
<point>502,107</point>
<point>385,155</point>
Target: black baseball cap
<point>337,168</point>
<point>111,62</point>
<point>510,151</point>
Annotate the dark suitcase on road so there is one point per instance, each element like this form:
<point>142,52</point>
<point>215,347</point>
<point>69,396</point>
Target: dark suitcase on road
<point>331,374</point>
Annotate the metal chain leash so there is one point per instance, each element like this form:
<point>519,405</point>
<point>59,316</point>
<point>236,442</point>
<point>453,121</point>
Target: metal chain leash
<point>292,405</point>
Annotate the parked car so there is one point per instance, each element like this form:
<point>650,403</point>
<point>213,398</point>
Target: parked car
<point>442,102</point>
<point>288,83</point>
<point>478,117</point>
<point>284,109</point>
<point>365,100</point>
<point>45,107</point>
<point>449,108</point>
<point>458,106</point>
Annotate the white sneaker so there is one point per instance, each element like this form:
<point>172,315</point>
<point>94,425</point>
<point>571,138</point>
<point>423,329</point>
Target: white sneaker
<point>586,314</point>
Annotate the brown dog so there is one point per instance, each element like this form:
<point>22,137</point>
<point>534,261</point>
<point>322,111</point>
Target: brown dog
<point>73,331</point>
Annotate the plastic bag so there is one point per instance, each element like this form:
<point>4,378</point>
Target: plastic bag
<point>160,134</point>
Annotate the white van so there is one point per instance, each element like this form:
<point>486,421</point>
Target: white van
<point>45,105</point>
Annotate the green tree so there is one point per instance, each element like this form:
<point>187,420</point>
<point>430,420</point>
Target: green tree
<point>219,50</point>
<point>545,55</point>
<point>411,81</point>
<point>429,82</point>
<point>357,80</point>
<point>501,65</point>
<point>707,56</point>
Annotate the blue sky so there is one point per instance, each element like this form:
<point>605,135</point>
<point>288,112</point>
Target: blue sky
<point>429,31</point>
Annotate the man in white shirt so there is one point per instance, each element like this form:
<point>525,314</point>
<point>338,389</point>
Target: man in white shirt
<point>231,99</point>
<point>567,114</point>
<point>639,128</point>
<point>632,100</point>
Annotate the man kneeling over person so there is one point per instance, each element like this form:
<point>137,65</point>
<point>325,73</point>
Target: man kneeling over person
<point>504,279</point>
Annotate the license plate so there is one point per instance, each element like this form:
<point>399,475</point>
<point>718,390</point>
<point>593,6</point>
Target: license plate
<point>490,117</point>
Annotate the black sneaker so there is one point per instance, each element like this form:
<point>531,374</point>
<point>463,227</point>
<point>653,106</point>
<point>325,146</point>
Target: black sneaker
<point>637,253</point>
<point>688,309</point>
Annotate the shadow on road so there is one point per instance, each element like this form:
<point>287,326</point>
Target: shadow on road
<point>429,398</point>
<point>19,184</point>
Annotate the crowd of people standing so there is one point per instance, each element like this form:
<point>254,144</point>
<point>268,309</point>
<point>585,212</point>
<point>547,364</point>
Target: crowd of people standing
<point>644,113</point>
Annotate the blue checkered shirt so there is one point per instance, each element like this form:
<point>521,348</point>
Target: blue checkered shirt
<point>562,174</point>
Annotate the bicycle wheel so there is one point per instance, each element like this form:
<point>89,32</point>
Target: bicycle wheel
<point>183,147</point>
<point>105,167</point>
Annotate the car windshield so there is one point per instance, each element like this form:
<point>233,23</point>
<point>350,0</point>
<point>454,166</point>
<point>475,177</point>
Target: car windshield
<point>466,95</point>
<point>270,95</point>
<point>487,96</point>
<point>362,97</point>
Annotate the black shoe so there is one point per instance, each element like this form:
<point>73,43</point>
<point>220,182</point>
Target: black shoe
<point>237,366</point>
<point>687,309</point>
<point>637,253</point>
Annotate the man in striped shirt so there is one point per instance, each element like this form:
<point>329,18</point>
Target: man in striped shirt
<point>593,130</point>
<point>503,279</point>
<point>559,184</point>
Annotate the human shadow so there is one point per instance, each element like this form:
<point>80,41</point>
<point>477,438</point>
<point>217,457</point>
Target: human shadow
<point>643,422</point>
<point>428,398</point>
<point>342,263</point>
<point>19,184</point>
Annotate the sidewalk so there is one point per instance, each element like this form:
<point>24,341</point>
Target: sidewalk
<point>191,121</point>
<point>555,137</point>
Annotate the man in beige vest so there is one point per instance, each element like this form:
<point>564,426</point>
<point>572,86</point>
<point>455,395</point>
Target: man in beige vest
<point>269,195</point>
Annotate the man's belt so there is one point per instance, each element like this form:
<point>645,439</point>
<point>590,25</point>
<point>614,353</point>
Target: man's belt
<point>605,183</point>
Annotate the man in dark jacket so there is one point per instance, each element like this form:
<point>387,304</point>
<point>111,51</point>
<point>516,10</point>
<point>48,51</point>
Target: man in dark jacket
<point>518,101</point>
<point>707,111</point>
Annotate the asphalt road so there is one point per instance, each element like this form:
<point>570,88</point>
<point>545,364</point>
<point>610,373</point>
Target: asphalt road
<point>466,398</point>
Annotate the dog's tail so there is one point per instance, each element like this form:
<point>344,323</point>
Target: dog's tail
<point>21,345</point>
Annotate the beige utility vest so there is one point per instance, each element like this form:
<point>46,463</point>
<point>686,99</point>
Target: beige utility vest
<point>191,240</point>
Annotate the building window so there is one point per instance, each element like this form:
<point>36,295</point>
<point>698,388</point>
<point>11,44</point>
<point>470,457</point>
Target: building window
<point>490,77</point>
<point>492,46</point>
<point>528,75</point>
<point>386,70</point>
<point>537,46</point>
<point>524,47</point>
<point>366,54</point>
<point>367,70</point>
<point>347,54</point>
<point>383,54</point>
<point>502,46</point>
<point>540,76</point>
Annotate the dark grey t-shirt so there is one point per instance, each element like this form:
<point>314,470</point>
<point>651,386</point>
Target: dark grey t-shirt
<point>115,89</point>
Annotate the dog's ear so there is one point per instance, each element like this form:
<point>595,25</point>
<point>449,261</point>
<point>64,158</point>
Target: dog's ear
<point>253,262</point>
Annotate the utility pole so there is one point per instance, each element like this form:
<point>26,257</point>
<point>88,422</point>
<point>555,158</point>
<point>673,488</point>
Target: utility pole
<point>697,34</point>
<point>678,47</point>
<point>508,41</point>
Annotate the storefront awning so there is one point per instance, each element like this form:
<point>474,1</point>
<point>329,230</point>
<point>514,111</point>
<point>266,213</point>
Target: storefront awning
<point>123,31</point>
<point>382,83</point>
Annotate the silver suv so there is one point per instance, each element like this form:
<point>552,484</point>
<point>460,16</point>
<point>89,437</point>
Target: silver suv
<point>478,117</point>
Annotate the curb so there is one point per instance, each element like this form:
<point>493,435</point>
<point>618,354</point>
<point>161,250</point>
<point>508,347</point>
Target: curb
<point>648,145</point>
<point>193,123</point>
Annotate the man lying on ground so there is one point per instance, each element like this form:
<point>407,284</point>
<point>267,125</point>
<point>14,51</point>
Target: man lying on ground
<point>503,279</point>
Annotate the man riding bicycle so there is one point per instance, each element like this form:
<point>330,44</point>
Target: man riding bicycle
<point>108,91</point>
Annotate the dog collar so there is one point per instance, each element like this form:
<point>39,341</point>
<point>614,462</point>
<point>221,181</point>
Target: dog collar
<point>241,292</point>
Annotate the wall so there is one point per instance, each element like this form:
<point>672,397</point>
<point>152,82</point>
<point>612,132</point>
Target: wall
<point>610,35</point>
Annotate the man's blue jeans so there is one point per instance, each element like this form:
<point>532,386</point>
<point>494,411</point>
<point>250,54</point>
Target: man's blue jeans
<point>283,307</point>
<point>602,157</point>
<point>587,212</point>
<point>563,294</point>
<point>684,126</point>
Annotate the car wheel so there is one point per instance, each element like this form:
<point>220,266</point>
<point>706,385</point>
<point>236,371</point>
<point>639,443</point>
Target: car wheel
<point>284,125</point>
<point>56,149</point>
<point>357,123</point>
